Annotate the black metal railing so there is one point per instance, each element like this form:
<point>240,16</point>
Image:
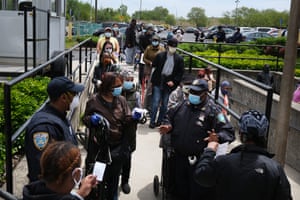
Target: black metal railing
<point>9,135</point>
<point>34,39</point>
<point>220,69</point>
<point>222,46</point>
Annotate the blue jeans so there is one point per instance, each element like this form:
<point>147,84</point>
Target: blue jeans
<point>159,95</point>
<point>130,53</point>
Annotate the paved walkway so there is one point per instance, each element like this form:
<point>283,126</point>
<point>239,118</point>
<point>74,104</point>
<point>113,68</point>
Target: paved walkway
<point>146,164</point>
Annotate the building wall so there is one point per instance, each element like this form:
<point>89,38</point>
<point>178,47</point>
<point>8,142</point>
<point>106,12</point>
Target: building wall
<point>246,96</point>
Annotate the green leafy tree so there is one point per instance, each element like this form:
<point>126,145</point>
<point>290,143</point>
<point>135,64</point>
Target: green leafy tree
<point>170,19</point>
<point>197,16</point>
<point>252,17</point>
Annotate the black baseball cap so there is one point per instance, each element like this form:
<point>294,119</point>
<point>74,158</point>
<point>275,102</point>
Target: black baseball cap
<point>199,85</point>
<point>62,84</point>
<point>173,42</point>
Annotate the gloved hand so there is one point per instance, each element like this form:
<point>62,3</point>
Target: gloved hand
<point>137,113</point>
<point>96,119</point>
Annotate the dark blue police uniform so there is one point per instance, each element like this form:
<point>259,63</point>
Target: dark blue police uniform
<point>190,125</point>
<point>46,125</point>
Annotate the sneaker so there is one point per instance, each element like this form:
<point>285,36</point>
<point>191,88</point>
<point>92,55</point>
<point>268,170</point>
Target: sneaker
<point>151,125</point>
<point>158,124</point>
<point>125,188</point>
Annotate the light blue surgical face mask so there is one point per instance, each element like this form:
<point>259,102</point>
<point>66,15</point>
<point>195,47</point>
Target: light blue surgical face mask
<point>117,91</point>
<point>155,43</point>
<point>194,99</point>
<point>107,34</point>
<point>128,85</point>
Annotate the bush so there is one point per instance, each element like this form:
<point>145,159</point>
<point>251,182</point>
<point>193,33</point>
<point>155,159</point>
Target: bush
<point>238,56</point>
<point>26,97</point>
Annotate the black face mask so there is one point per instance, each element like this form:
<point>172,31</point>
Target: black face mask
<point>266,69</point>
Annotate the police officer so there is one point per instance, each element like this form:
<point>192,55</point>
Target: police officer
<point>50,123</point>
<point>189,123</point>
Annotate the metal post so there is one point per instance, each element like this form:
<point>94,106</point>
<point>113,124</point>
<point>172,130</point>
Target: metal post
<point>190,64</point>
<point>7,131</point>
<point>48,34</point>
<point>236,11</point>
<point>86,58</point>
<point>282,126</point>
<point>80,61</point>
<point>34,36</point>
<point>96,7</point>
<point>140,10</point>
<point>25,41</point>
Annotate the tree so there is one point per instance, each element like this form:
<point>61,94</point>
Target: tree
<point>197,16</point>
<point>252,17</point>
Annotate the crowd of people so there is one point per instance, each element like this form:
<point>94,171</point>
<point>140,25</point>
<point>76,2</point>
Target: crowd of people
<point>112,115</point>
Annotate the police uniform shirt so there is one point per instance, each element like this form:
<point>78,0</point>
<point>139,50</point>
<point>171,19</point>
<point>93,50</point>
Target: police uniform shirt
<point>45,126</point>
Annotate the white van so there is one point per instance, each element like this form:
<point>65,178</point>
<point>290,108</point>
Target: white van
<point>244,29</point>
<point>266,29</point>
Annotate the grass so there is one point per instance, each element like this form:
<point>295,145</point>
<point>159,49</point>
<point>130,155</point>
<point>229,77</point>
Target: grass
<point>70,42</point>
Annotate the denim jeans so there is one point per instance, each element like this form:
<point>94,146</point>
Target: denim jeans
<point>160,96</point>
<point>130,54</point>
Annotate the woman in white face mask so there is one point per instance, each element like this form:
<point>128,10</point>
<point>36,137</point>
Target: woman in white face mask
<point>60,173</point>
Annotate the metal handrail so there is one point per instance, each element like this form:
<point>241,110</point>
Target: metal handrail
<point>220,68</point>
<point>220,45</point>
<point>11,137</point>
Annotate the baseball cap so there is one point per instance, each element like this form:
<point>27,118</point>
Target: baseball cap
<point>172,42</point>
<point>225,84</point>
<point>155,37</point>
<point>199,85</point>
<point>62,84</point>
<point>253,123</point>
<point>107,29</point>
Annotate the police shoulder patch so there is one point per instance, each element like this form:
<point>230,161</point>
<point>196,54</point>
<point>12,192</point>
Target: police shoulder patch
<point>40,140</point>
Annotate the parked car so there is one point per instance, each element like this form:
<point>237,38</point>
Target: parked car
<point>191,29</point>
<point>160,28</point>
<point>108,24</point>
<point>244,29</point>
<point>265,29</point>
<point>214,28</point>
<point>251,36</point>
<point>228,32</point>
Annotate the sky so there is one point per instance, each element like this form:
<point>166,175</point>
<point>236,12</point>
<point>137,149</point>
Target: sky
<point>180,8</point>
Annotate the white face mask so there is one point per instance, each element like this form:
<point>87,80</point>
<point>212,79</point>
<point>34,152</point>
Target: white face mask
<point>107,34</point>
<point>172,50</point>
<point>77,182</point>
<point>75,102</point>
<point>108,50</point>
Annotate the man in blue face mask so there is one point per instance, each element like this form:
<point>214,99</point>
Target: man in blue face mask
<point>189,123</point>
<point>224,96</point>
